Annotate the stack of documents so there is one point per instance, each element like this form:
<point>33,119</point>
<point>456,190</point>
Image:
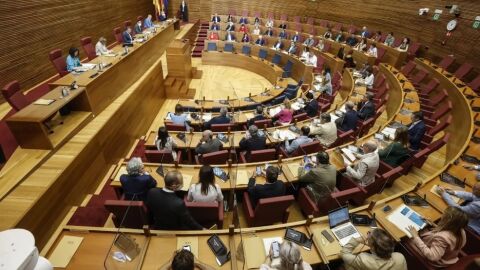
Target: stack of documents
<point>404,216</point>
<point>284,134</point>
<point>274,111</point>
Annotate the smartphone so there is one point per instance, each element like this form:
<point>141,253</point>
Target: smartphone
<point>276,249</point>
<point>387,208</point>
<point>187,247</point>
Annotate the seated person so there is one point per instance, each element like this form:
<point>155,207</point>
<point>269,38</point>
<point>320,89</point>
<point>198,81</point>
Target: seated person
<point>229,36</point>
<point>218,120</point>
<point>364,70</point>
<point>216,18</point>
<point>208,144</point>
<point>230,27</point>
<point>309,41</point>
<point>269,32</point>
<point>272,188</point>
<point>368,81</point>
<point>283,34</point>
<point>404,45</point>
<point>179,118</point>
<point>373,51</point>
<point>381,255</point>
<point>162,16</point>
<point>260,41</point>
<point>326,131</point>
<point>321,45</point>
<point>389,40</point>
<point>349,120</point>
<point>205,190</point>
<point>365,33</point>
<point>290,259</point>
<point>349,61</point>
<point>101,47</point>
<point>230,18</point>
<point>302,139</point>
<point>362,45</point>
<point>243,28</point>
<point>471,207</point>
<point>138,27</point>
<point>366,107</point>
<point>341,54</point>
<point>397,151</point>
<point>328,34</point>
<point>243,20</point>
<point>311,59</point>
<point>256,30</point>
<point>256,21</point>
<point>305,52</point>
<point>320,180</point>
<point>278,45</point>
<point>147,23</point>
<point>351,41</point>
<point>416,131</point>
<point>127,37</point>
<point>440,246</point>
<point>269,23</point>
<point>245,38</point>
<point>311,105</point>
<point>73,60</point>
<point>292,49</point>
<point>296,37</point>
<point>184,260</point>
<point>285,115</point>
<point>283,25</point>
<point>326,86</point>
<point>378,36</point>
<point>339,37</point>
<point>168,210</point>
<point>363,172</point>
<point>252,140</point>
<point>164,141</point>
<point>136,183</point>
<point>213,35</point>
<point>258,116</point>
<point>215,26</point>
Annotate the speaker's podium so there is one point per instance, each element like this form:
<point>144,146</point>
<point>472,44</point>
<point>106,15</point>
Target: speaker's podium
<point>180,71</point>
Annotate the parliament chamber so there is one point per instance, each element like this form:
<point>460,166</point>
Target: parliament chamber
<point>240,134</point>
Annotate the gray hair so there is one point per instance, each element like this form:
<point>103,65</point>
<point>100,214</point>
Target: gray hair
<point>371,145</point>
<point>253,130</point>
<point>134,166</point>
<point>349,105</point>
<point>223,111</point>
<point>290,257</point>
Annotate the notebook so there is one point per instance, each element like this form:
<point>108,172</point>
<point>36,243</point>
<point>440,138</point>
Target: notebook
<point>42,101</point>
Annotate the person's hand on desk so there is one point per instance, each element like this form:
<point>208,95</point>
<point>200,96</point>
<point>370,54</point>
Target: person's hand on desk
<point>413,232</point>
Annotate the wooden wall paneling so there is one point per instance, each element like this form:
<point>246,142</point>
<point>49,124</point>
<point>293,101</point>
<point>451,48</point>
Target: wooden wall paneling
<point>31,29</point>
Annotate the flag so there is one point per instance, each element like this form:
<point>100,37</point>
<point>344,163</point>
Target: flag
<point>165,7</point>
<point>158,6</point>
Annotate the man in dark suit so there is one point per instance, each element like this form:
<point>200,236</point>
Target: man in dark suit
<point>208,144</point>
<point>252,141</point>
<point>137,182</point>
<point>215,26</point>
<point>278,45</point>
<point>296,37</point>
<point>269,32</point>
<point>366,107</point>
<point>184,11</point>
<point>230,27</point>
<point>283,25</point>
<point>351,41</point>
<point>272,188</point>
<point>260,41</point>
<point>229,36</point>
<point>243,20</point>
<point>127,37</point>
<point>416,130</point>
<point>311,107</point>
<point>221,119</point>
<point>349,120</point>
<point>216,18</point>
<point>258,116</point>
<point>168,210</point>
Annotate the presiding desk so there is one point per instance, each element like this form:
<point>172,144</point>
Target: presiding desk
<point>105,86</point>
<point>29,124</point>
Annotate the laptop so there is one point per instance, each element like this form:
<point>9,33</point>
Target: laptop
<point>342,228</point>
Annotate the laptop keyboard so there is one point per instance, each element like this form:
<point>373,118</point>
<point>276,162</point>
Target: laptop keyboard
<point>344,232</point>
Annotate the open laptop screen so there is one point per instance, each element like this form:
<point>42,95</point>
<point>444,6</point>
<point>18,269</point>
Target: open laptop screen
<point>338,216</point>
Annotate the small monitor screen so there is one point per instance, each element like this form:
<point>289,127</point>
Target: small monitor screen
<point>338,216</point>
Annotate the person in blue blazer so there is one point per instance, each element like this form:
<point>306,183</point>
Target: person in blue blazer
<point>243,20</point>
<point>216,18</point>
<point>147,23</point>
<point>136,183</point>
<point>260,41</point>
<point>349,120</point>
<point>416,130</point>
<point>127,37</point>
<point>366,107</point>
<point>215,27</point>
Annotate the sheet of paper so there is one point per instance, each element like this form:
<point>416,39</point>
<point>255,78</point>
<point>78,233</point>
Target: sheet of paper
<point>274,111</point>
<point>349,154</point>
<point>207,117</point>
<point>389,132</point>
<point>267,243</point>
<point>434,191</point>
<point>187,181</point>
<point>242,178</point>
<point>253,252</point>
<point>191,241</point>
<point>403,216</point>
<point>65,250</point>
<point>42,101</point>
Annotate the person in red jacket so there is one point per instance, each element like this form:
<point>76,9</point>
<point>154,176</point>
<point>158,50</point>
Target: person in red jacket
<point>213,35</point>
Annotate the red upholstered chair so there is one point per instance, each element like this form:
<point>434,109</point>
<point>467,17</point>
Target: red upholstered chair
<point>412,50</point>
<point>463,70</point>
<point>428,137</point>
<point>345,183</point>
<point>386,175</point>
<point>336,198</point>
<point>139,150</point>
<point>300,117</point>
<point>162,156</point>
<point>258,155</point>
<point>12,94</point>
<point>206,213</point>
<point>432,103</point>
<point>343,138</point>
<point>310,20</point>
<point>475,84</point>
<point>320,63</point>
<point>379,82</point>
<point>296,19</point>
<point>140,18</point>
<point>327,46</point>
<point>218,157</point>
<point>380,54</point>
<point>397,42</point>
<point>426,89</point>
<point>245,13</point>
<point>432,118</point>
<point>117,33</point>
<point>337,27</point>
<point>222,127</point>
<point>135,218</point>
<point>364,126</point>
<point>127,23</point>
<point>446,62</point>
<point>263,123</point>
<point>58,62</point>
<point>88,48</point>
<point>352,29</point>
<point>175,127</point>
<point>283,17</point>
<point>419,77</point>
<point>421,156</point>
<point>408,68</point>
<point>268,211</point>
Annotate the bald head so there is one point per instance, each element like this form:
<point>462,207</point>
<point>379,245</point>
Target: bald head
<point>349,105</point>
<point>207,135</point>
<point>173,180</point>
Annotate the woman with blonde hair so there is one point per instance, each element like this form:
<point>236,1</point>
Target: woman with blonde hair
<point>441,245</point>
<point>285,115</point>
<point>290,259</point>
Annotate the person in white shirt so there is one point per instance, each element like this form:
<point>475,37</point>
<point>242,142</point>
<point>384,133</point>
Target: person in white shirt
<point>368,80</point>
<point>278,45</point>
<point>373,51</point>
<point>405,44</point>
<point>326,131</point>
<point>256,31</point>
<point>165,142</point>
<point>101,47</point>
<point>362,45</point>
<point>269,23</point>
<point>205,190</point>
<point>320,44</point>
<point>328,34</point>
<point>311,59</point>
<point>305,52</point>
<point>363,172</point>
